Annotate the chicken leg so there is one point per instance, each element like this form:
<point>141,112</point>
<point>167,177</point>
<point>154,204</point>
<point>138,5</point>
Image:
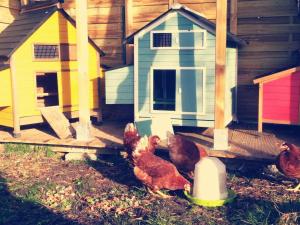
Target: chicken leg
<point>296,189</point>
<point>158,193</point>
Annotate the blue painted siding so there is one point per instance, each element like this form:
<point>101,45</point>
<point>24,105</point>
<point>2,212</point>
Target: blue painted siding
<point>119,86</point>
<point>230,95</point>
<point>172,59</point>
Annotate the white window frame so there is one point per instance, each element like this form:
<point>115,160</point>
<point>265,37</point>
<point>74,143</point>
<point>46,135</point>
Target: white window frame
<point>177,111</point>
<point>172,32</point>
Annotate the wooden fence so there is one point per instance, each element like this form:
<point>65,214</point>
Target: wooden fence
<point>9,9</point>
<point>271,27</point>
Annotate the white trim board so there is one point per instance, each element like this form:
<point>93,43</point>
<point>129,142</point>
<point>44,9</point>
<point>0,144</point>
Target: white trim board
<point>136,77</point>
<point>203,46</point>
<point>177,111</point>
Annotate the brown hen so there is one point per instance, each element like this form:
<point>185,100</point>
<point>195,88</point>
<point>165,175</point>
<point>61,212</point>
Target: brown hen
<point>288,162</point>
<point>184,153</point>
<point>130,138</point>
<point>156,173</point>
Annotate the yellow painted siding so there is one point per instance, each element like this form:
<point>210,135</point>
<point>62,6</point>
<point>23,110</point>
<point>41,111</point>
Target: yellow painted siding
<point>54,31</point>
<point>5,88</point>
<point>6,118</point>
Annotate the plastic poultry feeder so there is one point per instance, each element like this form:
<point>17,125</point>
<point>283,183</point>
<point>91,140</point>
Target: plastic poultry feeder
<point>210,184</point>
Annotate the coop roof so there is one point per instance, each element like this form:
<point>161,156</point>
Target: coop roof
<point>196,17</point>
<point>4,67</point>
<point>275,75</point>
<point>25,25</point>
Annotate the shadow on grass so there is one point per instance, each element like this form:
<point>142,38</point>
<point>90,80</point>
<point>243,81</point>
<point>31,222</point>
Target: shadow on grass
<point>15,210</point>
<point>253,211</point>
<point>115,168</point>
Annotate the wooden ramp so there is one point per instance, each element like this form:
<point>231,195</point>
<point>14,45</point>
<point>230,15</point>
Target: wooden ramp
<point>58,122</point>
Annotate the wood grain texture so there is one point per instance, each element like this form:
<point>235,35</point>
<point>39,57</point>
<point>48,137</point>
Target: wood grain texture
<point>9,9</point>
<point>220,64</point>
<point>271,28</point>
<point>58,122</point>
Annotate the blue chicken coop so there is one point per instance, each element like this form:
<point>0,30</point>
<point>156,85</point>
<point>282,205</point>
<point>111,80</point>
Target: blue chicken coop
<point>173,74</point>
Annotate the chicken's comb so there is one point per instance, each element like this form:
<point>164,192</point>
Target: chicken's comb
<point>130,127</point>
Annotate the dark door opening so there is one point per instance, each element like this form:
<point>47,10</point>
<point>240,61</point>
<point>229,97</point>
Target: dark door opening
<point>164,90</point>
<point>47,89</point>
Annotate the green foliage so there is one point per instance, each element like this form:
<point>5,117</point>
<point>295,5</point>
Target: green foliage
<point>19,149</point>
<point>24,149</point>
<point>34,192</point>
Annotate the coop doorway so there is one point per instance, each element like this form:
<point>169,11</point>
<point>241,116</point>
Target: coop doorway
<point>47,89</point>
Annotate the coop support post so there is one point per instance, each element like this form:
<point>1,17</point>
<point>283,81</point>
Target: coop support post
<point>101,91</point>
<point>220,132</point>
<point>15,102</point>
<point>260,107</point>
<point>128,30</point>
<point>83,129</point>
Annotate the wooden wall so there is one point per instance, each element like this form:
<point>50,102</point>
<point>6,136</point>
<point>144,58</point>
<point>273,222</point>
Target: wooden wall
<point>8,10</point>
<point>107,21</point>
<point>272,28</point>
<point>105,27</point>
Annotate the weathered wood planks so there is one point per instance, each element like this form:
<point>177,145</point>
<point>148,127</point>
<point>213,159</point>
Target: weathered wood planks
<point>9,9</point>
<point>57,121</point>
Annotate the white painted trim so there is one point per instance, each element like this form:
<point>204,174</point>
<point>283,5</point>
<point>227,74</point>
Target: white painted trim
<point>177,111</point>
<point>135,78</point>
<point>164,112</point>
<point>178,47</point>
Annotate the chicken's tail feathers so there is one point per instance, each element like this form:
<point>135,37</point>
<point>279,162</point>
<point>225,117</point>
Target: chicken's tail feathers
<point>170,137</point>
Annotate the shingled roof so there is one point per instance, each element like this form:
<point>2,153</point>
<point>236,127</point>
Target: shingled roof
<point>201,21</point>
<point>25,25</point>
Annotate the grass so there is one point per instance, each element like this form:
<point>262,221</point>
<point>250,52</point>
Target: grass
<point>25,149</point>
<point>105,192</point>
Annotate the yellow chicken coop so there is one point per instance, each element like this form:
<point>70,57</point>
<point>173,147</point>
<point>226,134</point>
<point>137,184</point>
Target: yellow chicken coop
<point>38,68</point>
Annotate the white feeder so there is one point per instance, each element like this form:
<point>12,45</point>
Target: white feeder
<point>210,180</point>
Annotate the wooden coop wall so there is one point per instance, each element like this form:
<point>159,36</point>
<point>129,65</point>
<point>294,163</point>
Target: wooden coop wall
<point>62,31</point>
<point>9,9</point>
<point>107,21</point>
<point>272,28</point>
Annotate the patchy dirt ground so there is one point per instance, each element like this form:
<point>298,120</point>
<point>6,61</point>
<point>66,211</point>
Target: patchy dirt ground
<point>36,187</point>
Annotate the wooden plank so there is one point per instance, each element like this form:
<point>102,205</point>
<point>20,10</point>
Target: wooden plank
<point>260,108</point>
<point>83,130</point>
<point>170,3</point>
<point>221,31</point>
<point>128,29</point>
<point>15,97</point>
<point>277,75</point>
<point>57,121</point>
<point>233,16</point>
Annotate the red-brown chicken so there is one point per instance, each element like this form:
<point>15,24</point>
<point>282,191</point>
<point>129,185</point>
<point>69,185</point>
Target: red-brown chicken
<point>130,138</point>
<point>288,162</point>
<point>184,153</point>
<point>156,173</point>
